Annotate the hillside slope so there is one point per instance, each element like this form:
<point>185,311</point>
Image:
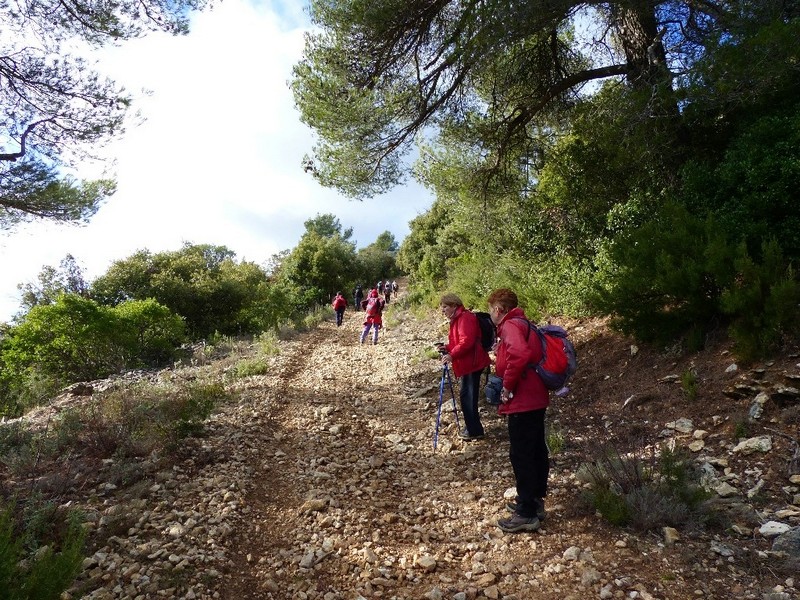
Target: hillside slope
<point>322,482</point>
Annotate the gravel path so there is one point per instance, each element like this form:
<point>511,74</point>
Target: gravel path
<point>348,498</point>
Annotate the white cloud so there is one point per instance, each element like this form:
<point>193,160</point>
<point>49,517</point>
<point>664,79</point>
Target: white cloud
<point>217,159</point>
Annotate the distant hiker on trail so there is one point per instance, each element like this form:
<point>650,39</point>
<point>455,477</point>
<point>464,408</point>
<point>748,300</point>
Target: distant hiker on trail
<point>524,399</point>
<point>358,296</point>
<point>379,287</point>
<point>374,308</point>
<point>395,287</point>
<point>339,304</point>
<point>469,359</point>
<point>387,291</point>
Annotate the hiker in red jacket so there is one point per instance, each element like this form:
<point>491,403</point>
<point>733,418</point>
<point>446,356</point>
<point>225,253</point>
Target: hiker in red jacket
<point>339,304</point>
<point>373,306</point>
<point>465,352</point>
<point>524,399</point>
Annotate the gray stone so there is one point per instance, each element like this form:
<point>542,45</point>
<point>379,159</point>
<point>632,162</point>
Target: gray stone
<point>682,425</point>
<point>788,542</point>
<point>761,443</point>
<point>772,529</point>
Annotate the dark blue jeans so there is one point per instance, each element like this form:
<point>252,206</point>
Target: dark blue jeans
<point>339,317</point>
<point>468,394</point>
<point>529,458</point>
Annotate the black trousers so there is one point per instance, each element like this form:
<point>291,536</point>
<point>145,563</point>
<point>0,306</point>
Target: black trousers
<point>469,391</point>
<point>529,458</point>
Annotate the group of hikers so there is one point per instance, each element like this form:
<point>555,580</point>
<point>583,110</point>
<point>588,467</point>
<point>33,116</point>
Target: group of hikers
<point>384,288</point>
<point>372,305</point>
<point>523,399</point>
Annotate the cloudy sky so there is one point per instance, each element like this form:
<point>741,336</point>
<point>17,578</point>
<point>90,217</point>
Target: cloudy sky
<point>217,159</point>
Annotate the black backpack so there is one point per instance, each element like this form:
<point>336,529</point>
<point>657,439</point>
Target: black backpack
<point>488,330</point>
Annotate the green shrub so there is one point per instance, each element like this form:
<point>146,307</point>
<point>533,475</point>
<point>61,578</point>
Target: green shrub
<point>136,421</point>
<point>192,408</point>
<point>202,283</point>
<point>311,319</point>
<point>267,343</point>
<point>41,551</point>
<point>76,339</point>
<point>430,353</point>
<point>689,383</point>
<point>221,346</point>
<point>13,435</point>
<point>419,297</point>
<point>645,493</point>
<point>248,367</point>
<point>611,505</point>
<point>763,303</point>
<point>649,508</point>
<point>679,479</point>
<point>73,339</point>
<point>23,448</point>
<point>547,286</point>
<point>679,276</point>
<point>555,438</point>
<point>741,429</point>
<point>22,389</point>
<point>664,280</point>
<point>752,188</point>
<point>150,333</point>
<point>22,459</point>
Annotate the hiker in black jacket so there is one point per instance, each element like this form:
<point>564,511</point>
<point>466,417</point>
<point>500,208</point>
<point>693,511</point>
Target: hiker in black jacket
<point>358,296</point>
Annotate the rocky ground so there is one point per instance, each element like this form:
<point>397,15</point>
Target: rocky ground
<point>322,482</point>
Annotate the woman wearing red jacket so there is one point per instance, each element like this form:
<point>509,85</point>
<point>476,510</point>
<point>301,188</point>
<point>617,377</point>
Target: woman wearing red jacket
<point>373,306</point>
<point>469,359</point>
<point>524,400</point>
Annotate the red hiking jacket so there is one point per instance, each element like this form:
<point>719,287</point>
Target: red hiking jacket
<point>464,343</point>
<point>518,350</point>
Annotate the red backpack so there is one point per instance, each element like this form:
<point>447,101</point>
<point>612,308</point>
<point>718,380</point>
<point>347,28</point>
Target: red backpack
<point>374,307</point>
<point>339,302</point>
<point>559,359</point>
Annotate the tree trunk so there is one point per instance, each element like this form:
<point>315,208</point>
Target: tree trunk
<point>636,31</point>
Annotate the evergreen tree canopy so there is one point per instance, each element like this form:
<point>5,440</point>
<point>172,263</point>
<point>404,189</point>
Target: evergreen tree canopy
<point>322,263</point>
<point>52,282</point>
<point>499,75</point>
<point>56,109</point>
<point>202,283</point>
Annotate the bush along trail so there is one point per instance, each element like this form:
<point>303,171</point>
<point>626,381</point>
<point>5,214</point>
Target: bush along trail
<point>320,481</point>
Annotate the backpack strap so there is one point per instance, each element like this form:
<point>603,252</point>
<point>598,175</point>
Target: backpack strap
<point>540,335</point>
<point>529,324</point>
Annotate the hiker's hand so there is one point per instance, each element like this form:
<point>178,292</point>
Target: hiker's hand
<point>446,358</point>
<point>506,396</point>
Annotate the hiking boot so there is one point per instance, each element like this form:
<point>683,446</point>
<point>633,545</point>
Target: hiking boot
<point>513,506</point>
<point>517,522</point>
<point>464,435</point>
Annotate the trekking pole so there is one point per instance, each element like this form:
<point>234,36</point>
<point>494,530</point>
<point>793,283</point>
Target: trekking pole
<point>445,377</point>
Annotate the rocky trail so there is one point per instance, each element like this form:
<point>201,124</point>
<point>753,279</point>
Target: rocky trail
<point>322,482</point>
